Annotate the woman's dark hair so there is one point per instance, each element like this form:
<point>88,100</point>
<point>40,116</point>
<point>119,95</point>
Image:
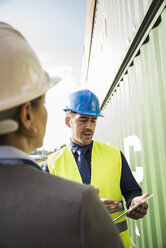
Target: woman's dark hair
<point>35,102</point>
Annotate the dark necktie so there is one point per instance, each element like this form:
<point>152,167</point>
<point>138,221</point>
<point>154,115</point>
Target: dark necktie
<point>83,165</point>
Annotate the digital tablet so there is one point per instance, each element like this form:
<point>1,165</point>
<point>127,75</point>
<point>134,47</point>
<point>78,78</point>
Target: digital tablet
<point>134,207</point>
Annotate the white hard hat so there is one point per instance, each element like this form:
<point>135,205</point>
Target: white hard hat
<point>21,75</point>
<point>22,78</point>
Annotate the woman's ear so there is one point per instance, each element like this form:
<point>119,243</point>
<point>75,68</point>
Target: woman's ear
<point>26,115</point>
<point>67,121</point>
<point>26,118</point>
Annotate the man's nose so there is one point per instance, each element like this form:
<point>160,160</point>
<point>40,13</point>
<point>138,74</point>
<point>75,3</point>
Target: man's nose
<point>88,124</point>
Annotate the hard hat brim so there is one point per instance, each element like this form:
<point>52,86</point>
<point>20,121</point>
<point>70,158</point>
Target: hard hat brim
<point>52,82</point>
<point>33,94</point>
<point>84,112</point>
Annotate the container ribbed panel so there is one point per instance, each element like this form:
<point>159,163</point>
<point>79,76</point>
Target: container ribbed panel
<point>135,121</point>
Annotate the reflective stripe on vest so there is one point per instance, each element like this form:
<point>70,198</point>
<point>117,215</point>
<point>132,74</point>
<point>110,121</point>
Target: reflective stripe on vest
<point>105,175</point>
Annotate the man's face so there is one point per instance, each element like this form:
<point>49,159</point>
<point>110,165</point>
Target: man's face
<point>82,128</point>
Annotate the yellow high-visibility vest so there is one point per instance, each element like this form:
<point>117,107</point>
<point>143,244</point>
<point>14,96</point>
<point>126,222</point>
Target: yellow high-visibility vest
<point>106,167</point>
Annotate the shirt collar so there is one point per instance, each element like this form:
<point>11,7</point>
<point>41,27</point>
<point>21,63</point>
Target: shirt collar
<point>74,146</point>
<point>13,153</point>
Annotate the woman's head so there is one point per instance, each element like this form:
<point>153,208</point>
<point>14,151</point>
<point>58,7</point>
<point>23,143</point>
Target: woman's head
<point>32,122</point>
<point>23,84</point>
<point>24,126</point>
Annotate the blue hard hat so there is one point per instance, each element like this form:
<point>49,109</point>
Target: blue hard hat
<point>83,102</point>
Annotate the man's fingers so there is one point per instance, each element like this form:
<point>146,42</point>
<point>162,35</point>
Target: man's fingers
<point>136,215</point>
<point>143,206</point>
<point>145,196</point>
<point>107,201</point>
<point>110,201</point>
<point>112,205</point>
<point>97,189</point>
<point>112,208</point>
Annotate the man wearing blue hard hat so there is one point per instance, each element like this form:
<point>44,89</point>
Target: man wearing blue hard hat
<point>95,163</point>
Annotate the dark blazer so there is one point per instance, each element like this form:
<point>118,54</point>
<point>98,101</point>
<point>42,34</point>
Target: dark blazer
<point>38,210</point>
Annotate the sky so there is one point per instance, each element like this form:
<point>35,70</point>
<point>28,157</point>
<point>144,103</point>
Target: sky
<point>55,30</point>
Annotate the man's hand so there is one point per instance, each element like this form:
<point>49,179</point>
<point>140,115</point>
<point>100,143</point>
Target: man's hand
<point>111,205</point>
<point>140,211</point>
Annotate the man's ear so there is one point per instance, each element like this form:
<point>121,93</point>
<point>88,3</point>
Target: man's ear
<point>26,115</point>
<point>67,121</point>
